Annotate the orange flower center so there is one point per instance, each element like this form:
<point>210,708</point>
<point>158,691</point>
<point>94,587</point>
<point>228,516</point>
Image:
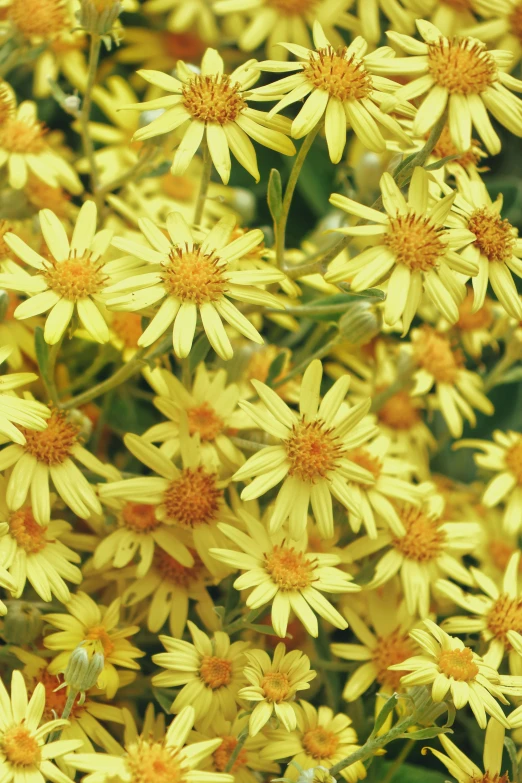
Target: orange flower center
<point>204,420</point>
<point>215,672</point>
<point>445,147</point>
<point>513,460</point>
<point>180,188</point>
<point>53,445</point>
<point>458,664</point>
<point>222,755</point>
<point>494,236</point>
<point>423,539</point>
<point>399,412</point>
<point>27,533</point>
<point>462,67</point>
<point>193,276</point>
<point>469,321</point>
<point>320,743</point>
<point>213,99</point>
<point>391,649</point>
<point>515,19</point>
<point>6,105</point>
<point>40,18</point>
<point>75,278</point>
<point>487,778</point>
<point>415,241</point>
<point>184,46</point>
<point>152,762</point>
<point>22,136</point>
<point>289,569</point>
<point>312,451</point>
<point>20,747</point>
<point>127,326</point>
<point>500,553</point>
<point>193,499</point>
<point>174,572</point>
<point>139,517</point>
<point>364,459</point>
<point>505,615</point>
<point>44,196</point>
<point>433,352</point>
<point>343,78</point>
<point>100,635</point>
<point>276,686</point>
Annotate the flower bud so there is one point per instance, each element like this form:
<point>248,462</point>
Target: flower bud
<point>23,623</point>
<point>98,16</point>
<point>316,775</point>
<point>360,323</point>
<point>83,670</point>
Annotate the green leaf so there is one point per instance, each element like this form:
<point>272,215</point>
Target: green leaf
<point>369,293</point>
<point>274,194</point>
<point>276,368</point>
<point>4,304</point>
<point>381,718</point>
<point>199,351</point>
<point>42,351</point>
<point>258,628</point>
<point>512,750</point>
<point>442,162</point>
<point>164,698</point>
<point>410,773</point>
<point>423,734</point>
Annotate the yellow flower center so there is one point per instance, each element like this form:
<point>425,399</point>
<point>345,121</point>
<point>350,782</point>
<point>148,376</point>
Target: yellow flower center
<point>364,459</point>
<point>463,67</point>
<point>213,99</point>
<point>222,755</point>
<point>399,412</point>
<point>27,533</point>
<point>152,762</point>
<point>470,321</point>
<point>139,517</point>
<point>6,105</point>
<point>127,326</point>
<point>289,569</point>
<point>20,747</point>
<point>22,136</point>
<point>99,635</point>
<point>204,420</point>
<point>433,353</point>
<point>515,19</point>
<point>423,539</point>
<point>275,686</point>
<point>513,460</point>
<point>343,78</point>
<point>193,276</point>
<point>54,444</point>
<point>312,451</point>
<point>445,147</point>
<point>415,241</point>
<point>174,572</point>
<point>75,278</point>
<point>494,236</point>
<point>42,18</point>
<point>505,615</point>
<point>458,664</point>
<point>391,649</point>
<point>215,672</point>
<point>193,499</point>
<point>320,743</point>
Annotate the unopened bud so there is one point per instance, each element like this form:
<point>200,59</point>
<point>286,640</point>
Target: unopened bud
<point>83,670</point>
<point>23,623</point>
<point>98,16</point>
<point>315,775</point>
<point>71,103</point>
<point>360,323</point>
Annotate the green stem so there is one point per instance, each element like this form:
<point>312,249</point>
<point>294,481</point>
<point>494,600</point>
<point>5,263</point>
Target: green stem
<point>205,182</point>
<point>399,761</point>
<point>301,367</point>
<point>48,377</point>
<point>85,113</point>
<point>237,750</point>
<point>372,745</point>
<point>71,698</point>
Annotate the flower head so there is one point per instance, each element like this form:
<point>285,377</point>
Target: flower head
<point>464,769</point>
<point>27,414</point>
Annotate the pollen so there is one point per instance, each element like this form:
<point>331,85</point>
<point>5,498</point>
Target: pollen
<point>193,498</point>
<point>213,99</point>
<point>364,459</point>
<point>276,686</point>
<point>174,572</point>
<point>127,327</point>
<point>470,321</point>
<point>139,517</point>
<point>312,450</point>
<point>99,636</point>
<point>399,412</point>
<point>41,18</point>
<point>20,747</point>
<point>75,278</point>
<point>320,743</point>
<point>204,420</point>
<point>222,755</point>
<point>215,672</point>
<point>445,147</point>
<point>505,615</point>
<point>193,276</point>
<point>423,539</point>
<point>289,569</point>
<point>495,237</point>
<point>458,664</point>
<point>463,67</point>
<point>391,649</point>
<point>513,460</point>
<point>344,78</point>
<point>433,352</point>
<point>53,445</point>
<point>515,20</point>
<point>152,762</point>
<point>415,241</point>
<point>27,533</point>
<point>23,136</point>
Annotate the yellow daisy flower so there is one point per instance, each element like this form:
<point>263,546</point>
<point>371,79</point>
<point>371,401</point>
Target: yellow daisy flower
<point>414,250</point>
<point>501,24</point>
<point>474,327</point>
<point>49,454</point>
<point>95,627</point>
<point>212,105</point>
<point>342,87</point>
<point>367,18</point>
<point>152,759</point>
<point>17,336</point>
<point>449,666</point>
<point>27,414</point>
<point>185,15</point>
<point>449,16</point>
<point>312,457</point>
<point>25,753</point>
<point>273,684</point>
<point>189,277</point>
<point>285,575</point>
<point>460,73</point>
<point>321,739</point>
<point>210,671</point>
<point>72,279</point>
<point>463,769</point>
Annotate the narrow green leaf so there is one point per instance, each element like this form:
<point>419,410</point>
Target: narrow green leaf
<point>276,368</point>
<point>164,698</point>
<point>423,734</point>
<point>258,628</point>
<point>381,718</point>
<point>274,194</point>
<point>199,351</point>
<point>512,750</point>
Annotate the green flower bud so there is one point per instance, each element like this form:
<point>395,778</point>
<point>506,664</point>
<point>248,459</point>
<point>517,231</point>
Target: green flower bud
<point>23,623</point>
<point>98,16</point>
<point>83,670</point>
<point>360,323</point>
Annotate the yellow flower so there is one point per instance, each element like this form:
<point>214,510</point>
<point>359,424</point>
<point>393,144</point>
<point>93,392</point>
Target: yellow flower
<point>321,739</point>
<point>367,18</point>
<point>312,456</point>
<point>191,277</point>
<point>152,759</point>
<point>464,769</point>
<point>475,325</point>
<point>15,411</point>
<point>273,684</point>
<point>25,753</point>
<point>212,105</point>
<point>186,15</point>
<point>459,73</point>
<point>341,86</point>
<point>414,250</point>
<point>19,337</point>
<point>449,16</point>
<point>97,629</point>
<point>210,671</point>
<point>501,24</point>
<point>449,666</point>
<point>285,575</point>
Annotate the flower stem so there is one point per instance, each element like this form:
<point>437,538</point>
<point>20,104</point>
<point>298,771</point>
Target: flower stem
<point>71,698</point>
<point>237,750</point>
<point>373,744</point>
<point>205,182</point>
<point>85,113</point>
